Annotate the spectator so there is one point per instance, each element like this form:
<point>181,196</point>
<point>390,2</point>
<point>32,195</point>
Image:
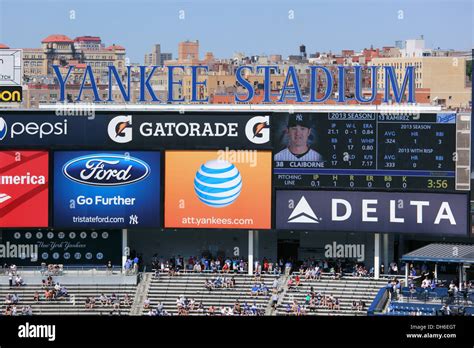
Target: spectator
<point>263,290</point>
<point>226,268</point>
<point>237,310</point>
<point>109,267</point>
<point>211,310</point>
<point>255,290</point>
<point>126,300</point>
<point>10,279</point>
<point>62,292</point>
<point>87,304</point>
<point>297,280</point>
<point>103,299</point>
<point>291,283</point>
<point>288,267</point>
<point>393,268</point>
<point>111,299</point>
<point>275,283</point>
<point>337,305</point>
<point>318,273</point>
<point>36,296</point>
<point>146,304</point>
<point>307,299</point>
<point>116,303</point>
<point>19,281</point>
<point>274,300</point>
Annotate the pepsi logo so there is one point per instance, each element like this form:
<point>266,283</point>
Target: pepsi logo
<point>218,183</point>
<point>106,170</point>
<point>3,128</point>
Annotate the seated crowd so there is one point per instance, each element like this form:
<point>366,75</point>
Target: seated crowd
<point>178,264</point>
<point>103,300</point>
<point>313,301</point>
<point>219,282</point>
<point>11,306</point>
<point>237,310</point>
<point>158,311</point>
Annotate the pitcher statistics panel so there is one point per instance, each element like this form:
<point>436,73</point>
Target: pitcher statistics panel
<point>365,150</point>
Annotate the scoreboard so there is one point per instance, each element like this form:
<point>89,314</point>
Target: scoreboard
<point>365,150</point>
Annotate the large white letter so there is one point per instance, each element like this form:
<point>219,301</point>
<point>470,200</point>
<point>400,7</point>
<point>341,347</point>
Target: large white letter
<point>445,213</point>
<point>419,209</point>
<point>345,203</point>
<point>366,210</point>
<point>393,217</point>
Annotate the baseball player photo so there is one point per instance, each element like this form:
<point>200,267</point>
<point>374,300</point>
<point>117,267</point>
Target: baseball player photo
<point>298,149</point>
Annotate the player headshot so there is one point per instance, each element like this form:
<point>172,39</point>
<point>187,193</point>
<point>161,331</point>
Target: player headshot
<point>298,131</point>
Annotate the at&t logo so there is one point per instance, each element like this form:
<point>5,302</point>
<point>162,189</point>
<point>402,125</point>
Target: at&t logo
<point>218,183</point>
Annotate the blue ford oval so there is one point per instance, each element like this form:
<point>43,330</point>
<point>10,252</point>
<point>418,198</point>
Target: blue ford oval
<point>106,170</point>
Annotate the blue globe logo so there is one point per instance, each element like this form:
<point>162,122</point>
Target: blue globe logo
<point>218,183</point>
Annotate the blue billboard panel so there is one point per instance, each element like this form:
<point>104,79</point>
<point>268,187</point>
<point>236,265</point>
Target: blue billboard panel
<point>113,189</point>
<point>384,212</point>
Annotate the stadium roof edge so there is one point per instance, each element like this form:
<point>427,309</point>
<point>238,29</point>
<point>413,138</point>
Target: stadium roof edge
<point>244,107</point>
<point>442,253</point>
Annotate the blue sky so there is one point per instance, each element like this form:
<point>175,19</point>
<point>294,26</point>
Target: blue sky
<point>252,27</point>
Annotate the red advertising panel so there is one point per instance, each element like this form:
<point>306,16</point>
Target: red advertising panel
<point>23,188</point>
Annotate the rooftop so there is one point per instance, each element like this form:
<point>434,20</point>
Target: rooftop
<point>442,252</point>
<point>56,38</point>
<point>87,38</point>
<point>115,47</point>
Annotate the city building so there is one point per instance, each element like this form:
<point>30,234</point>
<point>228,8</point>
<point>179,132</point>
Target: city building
<point>156,57</point>
<point>58,49</point>
<point>414,48</point>
<point>188,50</point>
<point>88,43</point>
<point>445,77</point>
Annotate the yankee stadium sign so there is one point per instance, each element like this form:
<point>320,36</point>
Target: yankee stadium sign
<point>291,88</point>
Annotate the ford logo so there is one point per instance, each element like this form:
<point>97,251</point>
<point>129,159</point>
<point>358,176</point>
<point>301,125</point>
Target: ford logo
<point>106,170</point>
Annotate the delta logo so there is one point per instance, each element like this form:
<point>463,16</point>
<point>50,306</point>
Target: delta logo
<point>218,183</point>
<point>303,213</point>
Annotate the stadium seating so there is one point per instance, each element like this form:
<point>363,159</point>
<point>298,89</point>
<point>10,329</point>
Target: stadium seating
<point>347,290</point>
<point>166,289</point>
<point>412,308</point>
<point>72,305</point>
